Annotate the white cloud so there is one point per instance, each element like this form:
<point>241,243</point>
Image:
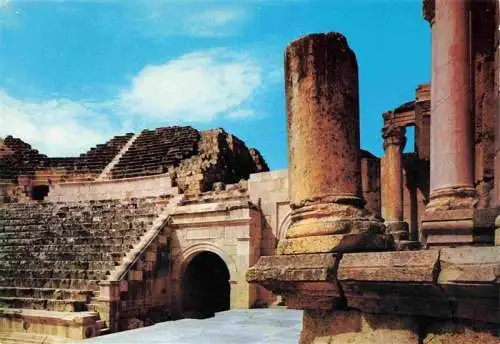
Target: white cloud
<point>188,18</point>
<point>196,87</point>
<point>5,3</point>
<point>238,114</point>
<point>56,127</point>
<point>213,23</point>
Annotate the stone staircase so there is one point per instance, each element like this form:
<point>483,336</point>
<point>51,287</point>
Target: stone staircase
<point>106,173</point>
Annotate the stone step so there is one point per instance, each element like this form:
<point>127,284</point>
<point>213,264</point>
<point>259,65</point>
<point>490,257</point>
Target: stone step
<point>64,256</point>
<point>55,274</point>
<point>45,304</point>
<point>87,284</point>
<point>60,264</point>
<point>12,247</point>
<point>107,229</point>
<point>29,338</point>
<point>76,228</point>
<point>78,240</point>
<point>47,293</point>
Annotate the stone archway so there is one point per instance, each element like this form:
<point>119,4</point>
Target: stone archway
<point>205,285</point>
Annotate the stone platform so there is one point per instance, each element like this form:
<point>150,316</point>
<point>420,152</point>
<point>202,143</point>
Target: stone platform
<point>269,326</point>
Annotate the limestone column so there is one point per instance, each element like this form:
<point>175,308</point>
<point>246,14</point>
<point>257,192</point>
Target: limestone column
<point>392,185</point>
<point>452,156</point>
<point>328,214</point>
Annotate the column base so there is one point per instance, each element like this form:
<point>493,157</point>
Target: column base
<point>372,238</point>
<point>334,224</point>
<point>452,198</point>
<point>459,227</point>
<point>398,229</point>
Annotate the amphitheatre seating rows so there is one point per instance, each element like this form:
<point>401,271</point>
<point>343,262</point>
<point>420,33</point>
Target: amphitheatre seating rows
<point>96,159</point>
<point>53,255</point>
<point>155,150</point>
<point>24,160</point>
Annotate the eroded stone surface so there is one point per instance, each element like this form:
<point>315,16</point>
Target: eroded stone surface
<point>322,102</point>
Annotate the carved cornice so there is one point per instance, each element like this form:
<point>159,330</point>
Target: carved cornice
<point>429,10</point>
<point>394,136</point>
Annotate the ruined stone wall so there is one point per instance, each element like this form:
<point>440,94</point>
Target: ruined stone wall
<point>221,157</point>
<point>483,27</point>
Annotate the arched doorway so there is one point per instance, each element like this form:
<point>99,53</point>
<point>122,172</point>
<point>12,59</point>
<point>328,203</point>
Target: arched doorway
<point>205,286</point>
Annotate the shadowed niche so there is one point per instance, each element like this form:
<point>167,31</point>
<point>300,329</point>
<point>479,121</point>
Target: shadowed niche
<point>206,287</point>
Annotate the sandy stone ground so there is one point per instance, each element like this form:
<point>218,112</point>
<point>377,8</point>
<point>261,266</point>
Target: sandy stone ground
<point>255,326</point>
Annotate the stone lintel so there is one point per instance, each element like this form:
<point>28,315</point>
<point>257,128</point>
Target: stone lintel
<point>456,283</point>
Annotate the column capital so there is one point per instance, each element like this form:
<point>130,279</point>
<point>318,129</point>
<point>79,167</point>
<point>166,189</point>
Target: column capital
<point>394,136</point>
<point>429,10</point>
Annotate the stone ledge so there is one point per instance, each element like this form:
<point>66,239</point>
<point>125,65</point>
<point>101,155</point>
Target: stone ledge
<point>460,283</point>
<point>306,280</point>
<point>396,266</point>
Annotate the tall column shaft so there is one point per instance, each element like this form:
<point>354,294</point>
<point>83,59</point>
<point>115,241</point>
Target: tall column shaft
<point>321,80</point>
<point>323,119</point>
<point>452,158</point>
<point>392,187</point>
<point>450,214</point>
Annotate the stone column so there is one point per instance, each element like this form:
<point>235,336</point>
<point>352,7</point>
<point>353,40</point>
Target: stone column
<point>392,185</point>
<point>328,214</point>
<point>497,131</point>
<point>449,213</point>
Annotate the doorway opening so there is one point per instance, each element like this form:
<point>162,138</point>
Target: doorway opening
<point>39,192</point>
<point>205,286</point>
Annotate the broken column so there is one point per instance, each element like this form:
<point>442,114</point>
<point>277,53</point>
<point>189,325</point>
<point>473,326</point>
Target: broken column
<point>392,185</point>
<point>449,218</point>
<point>328,214</point>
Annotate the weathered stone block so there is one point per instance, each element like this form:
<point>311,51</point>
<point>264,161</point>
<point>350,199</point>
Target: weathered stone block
<point>354,327</point>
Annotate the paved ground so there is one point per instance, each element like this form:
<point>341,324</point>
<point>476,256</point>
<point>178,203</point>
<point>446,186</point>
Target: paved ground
<point>255,326</point>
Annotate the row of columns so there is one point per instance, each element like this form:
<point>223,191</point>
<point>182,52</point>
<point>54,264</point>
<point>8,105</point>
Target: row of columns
<point>323,133</point>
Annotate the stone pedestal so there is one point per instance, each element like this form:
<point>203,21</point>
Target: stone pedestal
<point>452,157</point>
<point>328,214</point>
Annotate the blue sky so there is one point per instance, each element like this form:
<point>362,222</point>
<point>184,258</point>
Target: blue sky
<point>74,73</point>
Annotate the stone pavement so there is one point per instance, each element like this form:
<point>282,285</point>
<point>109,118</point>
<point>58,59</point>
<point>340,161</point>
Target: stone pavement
<point>255,326</point>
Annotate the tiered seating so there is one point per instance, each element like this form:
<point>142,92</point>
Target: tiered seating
<point>155,150</point>
<point>52,256</point>
<point>22,161</point>
<point>98,157</point>
<point>67,163</point>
